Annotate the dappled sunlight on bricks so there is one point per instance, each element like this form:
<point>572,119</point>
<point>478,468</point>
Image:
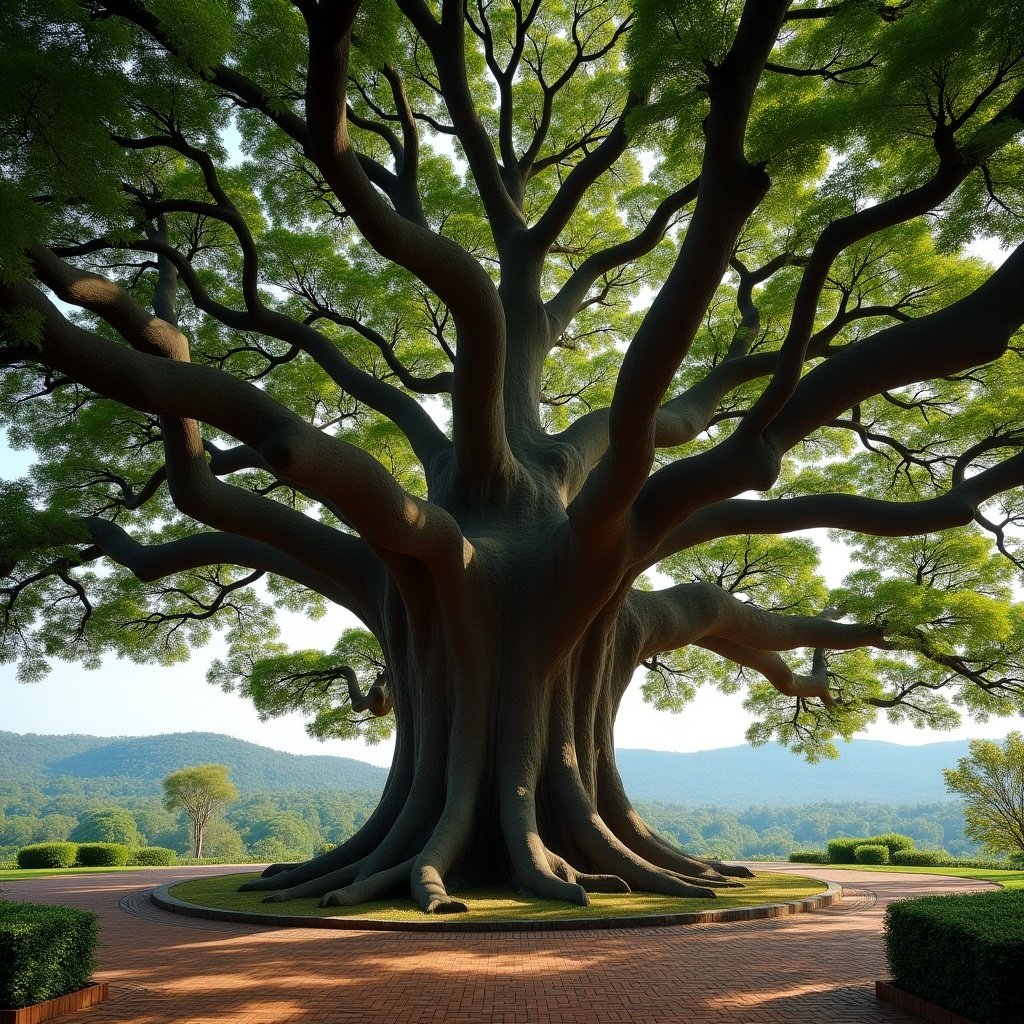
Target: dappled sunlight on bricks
<point>817,967</point>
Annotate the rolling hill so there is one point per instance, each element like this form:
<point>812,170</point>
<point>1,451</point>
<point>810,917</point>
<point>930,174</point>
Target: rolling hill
<point>147,759</point>
<point>868,770</point>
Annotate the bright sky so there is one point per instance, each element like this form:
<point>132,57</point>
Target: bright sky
<point>122,699</point>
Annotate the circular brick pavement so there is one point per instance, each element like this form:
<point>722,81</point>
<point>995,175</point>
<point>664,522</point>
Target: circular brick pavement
<point>162,968</point>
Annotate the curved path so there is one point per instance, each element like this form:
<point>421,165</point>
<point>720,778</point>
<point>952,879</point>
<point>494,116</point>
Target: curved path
<point>165,969</point>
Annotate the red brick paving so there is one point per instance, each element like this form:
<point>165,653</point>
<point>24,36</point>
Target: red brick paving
<point>819,967</point>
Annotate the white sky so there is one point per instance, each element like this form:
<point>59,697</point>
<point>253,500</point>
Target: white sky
<point>122,699</point>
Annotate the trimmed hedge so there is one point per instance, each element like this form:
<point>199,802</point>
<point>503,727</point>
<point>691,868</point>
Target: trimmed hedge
<point>922,858</point>
<point>152,857</point>
<point>809,857</point>
<point>872,853</point>
<point>48,855</point>
<point>45,952</point>
<point>892,841</point>
<point>103,855</point>
<point>841,850</point>
<point>964,952</point>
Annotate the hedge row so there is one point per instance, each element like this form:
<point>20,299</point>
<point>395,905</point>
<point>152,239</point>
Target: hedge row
<point>45,952</point>
<point>844,849</point>
<point>964,952</point>
<point>913,858</point>
<point>92,855</point>
<point>872,853</point>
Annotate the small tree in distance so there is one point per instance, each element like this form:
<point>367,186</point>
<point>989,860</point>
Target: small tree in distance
<point>991,781</point>
<point>200,792</point>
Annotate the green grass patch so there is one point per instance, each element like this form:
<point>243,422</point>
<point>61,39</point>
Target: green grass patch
<point>27,874</point>
<point>501,904</point>
<point>1007,879</point>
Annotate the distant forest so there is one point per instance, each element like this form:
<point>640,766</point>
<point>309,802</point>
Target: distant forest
<point>53,787</point>
<point>291,824</point>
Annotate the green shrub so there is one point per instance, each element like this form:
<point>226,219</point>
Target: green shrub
<point>922,858</point>
<point>872,853</point>
<point>48,855</point>
<point>841,850</point>
<point>964,952</point>
<point>110,825</point>
<point>892,841</point>
<point>153,856</point>
<point>809,857</point>
<point>103,855</point>
<point>45,952</point>
<point>977,862</point>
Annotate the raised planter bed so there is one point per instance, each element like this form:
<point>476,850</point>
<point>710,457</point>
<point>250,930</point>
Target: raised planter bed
<point>890,993</point>
<point>50,1009</point>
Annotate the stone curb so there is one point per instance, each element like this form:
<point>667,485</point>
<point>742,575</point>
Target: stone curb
<point>162,898</point>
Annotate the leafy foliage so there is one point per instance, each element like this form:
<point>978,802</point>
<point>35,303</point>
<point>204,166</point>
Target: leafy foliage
<point>991,783</point>
<point>201,792</point>
<point>45,951</point>
<point>982,933</point>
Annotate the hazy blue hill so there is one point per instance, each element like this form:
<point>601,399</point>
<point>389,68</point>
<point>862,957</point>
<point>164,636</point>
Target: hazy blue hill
<point>867,770</point>
<point>147,759</point>
<point>737,777</point>
<point>23,754</point>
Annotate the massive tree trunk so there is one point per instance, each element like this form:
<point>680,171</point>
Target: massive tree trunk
<point>504,770</point>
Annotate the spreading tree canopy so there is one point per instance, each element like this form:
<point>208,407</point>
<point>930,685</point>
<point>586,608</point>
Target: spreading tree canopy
<point>463,316</point>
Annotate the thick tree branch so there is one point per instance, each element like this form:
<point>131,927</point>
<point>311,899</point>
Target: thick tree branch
<point>955,164</point>
<point>349,567</point>
<point>482,454</point>
<point>927,347</point>
<point>545,232</point>
<point>729,189</point>
<point>446,42</point>
<point>872,516</point>
<point>424,436</point>
<point>695,612</point>
<point>384,514</point>
<point>244,91</point>
<point>566,304</point>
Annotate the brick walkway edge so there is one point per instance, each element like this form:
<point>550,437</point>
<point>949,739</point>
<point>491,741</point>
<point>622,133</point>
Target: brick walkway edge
<point>819,967</point>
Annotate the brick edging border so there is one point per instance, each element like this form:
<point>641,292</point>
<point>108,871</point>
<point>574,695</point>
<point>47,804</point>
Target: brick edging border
<point>935,1014</point>
<point>162,898</point>
<point>37,1013</point>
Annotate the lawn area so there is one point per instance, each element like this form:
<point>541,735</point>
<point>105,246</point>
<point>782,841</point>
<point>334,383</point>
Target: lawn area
<point>1007,879</point>
<point>503,904</point>
<point>19,874</point>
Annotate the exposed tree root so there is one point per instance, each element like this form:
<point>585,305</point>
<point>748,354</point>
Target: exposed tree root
<point>377,886</point>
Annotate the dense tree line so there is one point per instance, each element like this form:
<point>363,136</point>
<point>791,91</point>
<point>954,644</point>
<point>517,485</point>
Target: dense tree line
<point>267,826</point>
<point>276,826</point>
<point>775,831</point>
